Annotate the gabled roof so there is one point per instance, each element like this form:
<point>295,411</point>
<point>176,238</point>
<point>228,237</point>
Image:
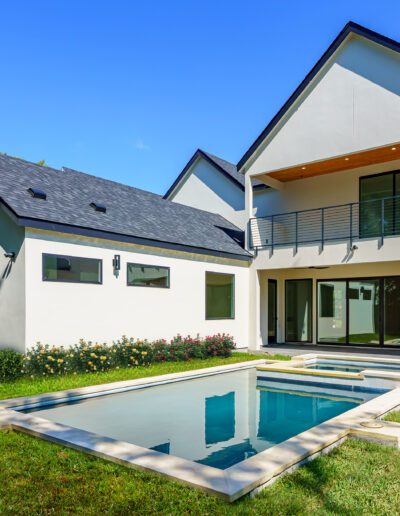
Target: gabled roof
<point>349,28</point>
<point>229,170</point>
<point>132,215</point>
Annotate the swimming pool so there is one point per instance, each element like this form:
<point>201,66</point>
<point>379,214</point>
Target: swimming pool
<point>217,421</point>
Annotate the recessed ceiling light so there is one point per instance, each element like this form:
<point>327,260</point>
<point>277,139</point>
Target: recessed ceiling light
<point>303,168</point>
<point>346,159</point>
<point>394,148</point>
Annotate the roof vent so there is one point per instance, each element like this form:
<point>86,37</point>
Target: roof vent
<point>37,194</point>
<point>98,207</point>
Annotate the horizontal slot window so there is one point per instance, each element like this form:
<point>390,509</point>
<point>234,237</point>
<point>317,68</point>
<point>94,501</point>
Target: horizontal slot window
<point>71,269</point>
<point>220,296</point>
<point>140,275</point>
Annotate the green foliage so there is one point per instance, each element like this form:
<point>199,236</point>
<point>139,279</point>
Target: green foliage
<point>88,357</point>
<point>393,416</point>
<point>10,365</point>
<point>42,162</point>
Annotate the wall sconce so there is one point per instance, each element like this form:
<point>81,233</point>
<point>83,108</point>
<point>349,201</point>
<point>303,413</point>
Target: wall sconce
<point>117,262</point>
<point>11,256</point>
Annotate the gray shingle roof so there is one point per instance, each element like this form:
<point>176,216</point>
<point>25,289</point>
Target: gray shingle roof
<point>225,167</point>
<point>130,212</point>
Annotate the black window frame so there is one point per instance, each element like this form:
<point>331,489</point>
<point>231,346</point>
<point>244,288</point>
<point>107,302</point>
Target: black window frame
<point>67,257</point>
<point>233,316</point>
<point>150,266</point>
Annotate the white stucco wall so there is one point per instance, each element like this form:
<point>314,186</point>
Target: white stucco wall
<point>353,104</point>
<point>62,313</point>
<point>12,285</point>
<point>206,188</point>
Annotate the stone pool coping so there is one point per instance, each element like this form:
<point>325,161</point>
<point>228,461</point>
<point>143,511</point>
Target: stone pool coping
<point>230,484</point>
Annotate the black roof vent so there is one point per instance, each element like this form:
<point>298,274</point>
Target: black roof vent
<point>37,193</point>
<point>98,207</point>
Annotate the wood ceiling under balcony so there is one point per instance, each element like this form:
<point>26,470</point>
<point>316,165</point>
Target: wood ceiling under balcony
<point>338,164</point>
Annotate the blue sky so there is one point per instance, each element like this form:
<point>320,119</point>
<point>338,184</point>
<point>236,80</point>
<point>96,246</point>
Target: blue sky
<point>128,90</point>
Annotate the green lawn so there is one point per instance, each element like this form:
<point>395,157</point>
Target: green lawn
<point>29,386</point>
<point>393,416</point>
<point>37,477</point>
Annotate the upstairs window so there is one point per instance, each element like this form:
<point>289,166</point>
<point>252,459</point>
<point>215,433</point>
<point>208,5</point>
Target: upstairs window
<point>71,269</point>
<point>220,296</point>
<point>140,275</point>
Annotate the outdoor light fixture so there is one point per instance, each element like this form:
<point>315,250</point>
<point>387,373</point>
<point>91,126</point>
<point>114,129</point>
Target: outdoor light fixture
<point>11,256</point>
<point>117,262</point>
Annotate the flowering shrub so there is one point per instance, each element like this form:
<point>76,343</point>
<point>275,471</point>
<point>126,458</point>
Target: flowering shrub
<point>88,357</point>
<point>10,365</point>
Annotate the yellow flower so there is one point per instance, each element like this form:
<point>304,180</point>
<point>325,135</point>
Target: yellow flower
<point>90,363</point>
<point>85,349</point>
<point>144,353</point>
<point>60,360</point>
<point>50,358</point>
<point>103,357</point>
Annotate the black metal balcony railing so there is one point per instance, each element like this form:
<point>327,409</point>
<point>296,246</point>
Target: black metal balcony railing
<point>376,218</point>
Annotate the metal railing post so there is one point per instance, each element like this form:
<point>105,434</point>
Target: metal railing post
<point>351,225</point>
<point>297,232</point>
<point>272,234</point>
<point>382,220</point>
<point>322,228</point>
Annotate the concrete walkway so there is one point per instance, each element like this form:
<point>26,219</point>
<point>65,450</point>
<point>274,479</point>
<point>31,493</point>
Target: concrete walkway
<point>298,349</point>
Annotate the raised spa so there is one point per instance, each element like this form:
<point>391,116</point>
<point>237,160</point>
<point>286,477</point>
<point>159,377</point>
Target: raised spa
<point>217,420</point>
<point>350,366</point>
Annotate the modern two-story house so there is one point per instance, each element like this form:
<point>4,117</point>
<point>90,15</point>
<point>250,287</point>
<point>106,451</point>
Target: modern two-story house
<point>298,242</point>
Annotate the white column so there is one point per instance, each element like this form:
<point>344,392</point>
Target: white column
<point>248,206</point>
<point>255,340</point>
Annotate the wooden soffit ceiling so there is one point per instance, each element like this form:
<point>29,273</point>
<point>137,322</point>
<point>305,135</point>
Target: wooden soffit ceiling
<point>328,166</point>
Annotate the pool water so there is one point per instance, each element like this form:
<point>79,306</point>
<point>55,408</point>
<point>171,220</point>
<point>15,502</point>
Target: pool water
<point>218,420</point>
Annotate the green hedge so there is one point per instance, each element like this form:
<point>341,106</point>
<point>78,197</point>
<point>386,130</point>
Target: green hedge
<point>11,365</point>
<point>88,357</point>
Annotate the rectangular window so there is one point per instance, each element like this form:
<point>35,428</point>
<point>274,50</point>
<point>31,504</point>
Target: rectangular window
<point>140,275</point>
<point>71,269</point>
<point>220,295</point>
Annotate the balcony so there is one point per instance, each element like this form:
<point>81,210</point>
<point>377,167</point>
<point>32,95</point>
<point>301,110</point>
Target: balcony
<point>371,219</point>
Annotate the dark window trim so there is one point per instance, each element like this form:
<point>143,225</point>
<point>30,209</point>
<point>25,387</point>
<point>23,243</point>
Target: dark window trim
<point>68,256</point>
<point>233,296</point>
<point>312,311</point>
<point>148,265</point>
<point>347,280</point>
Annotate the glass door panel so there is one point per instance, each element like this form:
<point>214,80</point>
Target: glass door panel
<point>298,312</point>
<point>332,320</point>
<point>391,328</point>
<point>364,312</point>
<point>272,311</point>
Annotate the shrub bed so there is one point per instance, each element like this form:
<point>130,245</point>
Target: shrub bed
<point>88,357</point>
<point>11,365</point>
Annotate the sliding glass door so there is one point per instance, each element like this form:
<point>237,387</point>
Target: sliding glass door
<point>391,328</point>
<point>332,314</point>
<point>359,311</point>
<point>298,301</point>
<point>364,312</point>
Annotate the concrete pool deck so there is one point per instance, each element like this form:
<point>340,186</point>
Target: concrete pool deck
<point>247,476</point>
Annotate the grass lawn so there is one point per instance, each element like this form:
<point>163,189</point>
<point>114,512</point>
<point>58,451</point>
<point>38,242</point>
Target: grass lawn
<point>393,416</point>
<point>29,386</point>
<point>37,477</point>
